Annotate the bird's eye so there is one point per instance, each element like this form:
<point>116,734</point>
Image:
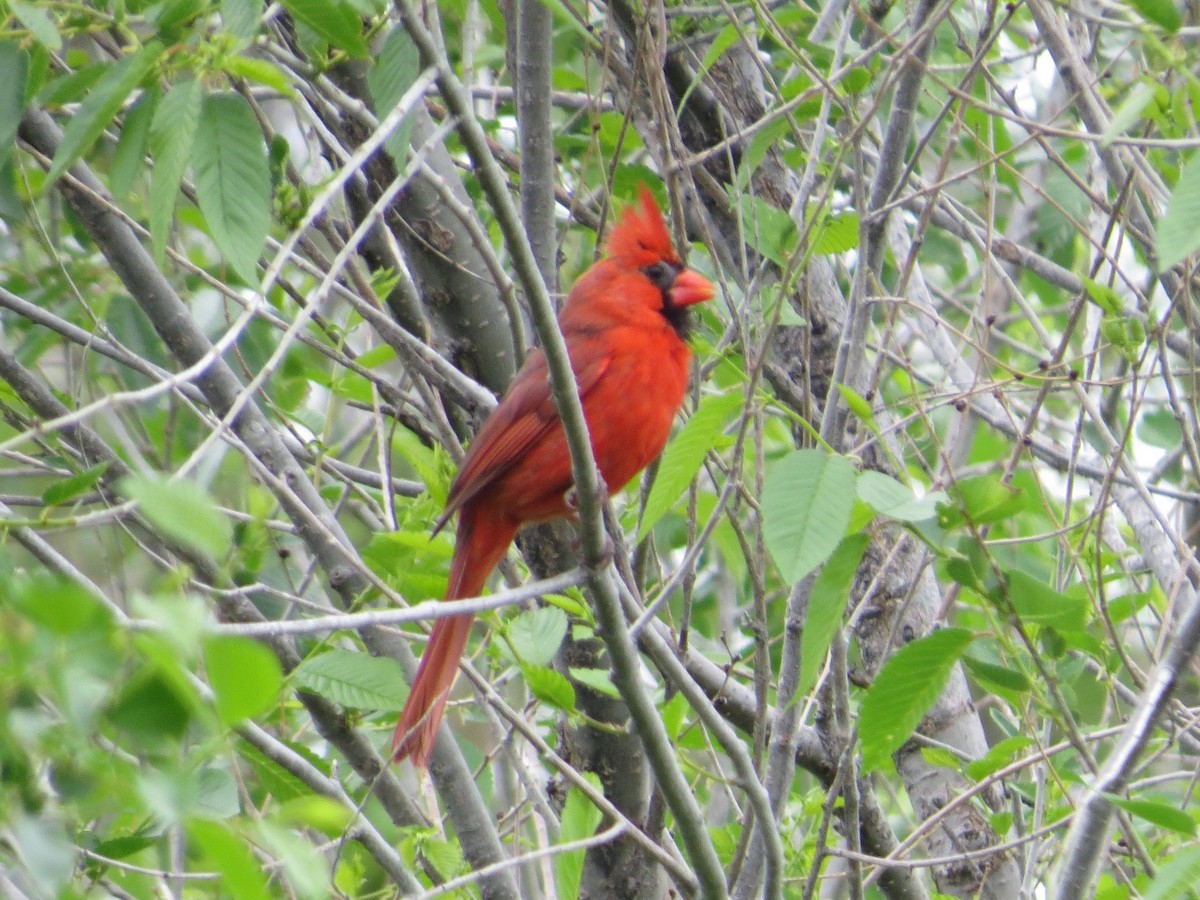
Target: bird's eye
<point>662,274</point>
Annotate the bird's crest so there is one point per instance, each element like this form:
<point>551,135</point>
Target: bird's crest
<point>641,237</point>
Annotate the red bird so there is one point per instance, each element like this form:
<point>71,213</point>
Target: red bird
<point>624,324</point>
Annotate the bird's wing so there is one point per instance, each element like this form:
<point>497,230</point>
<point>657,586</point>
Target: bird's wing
<point>525,415</point>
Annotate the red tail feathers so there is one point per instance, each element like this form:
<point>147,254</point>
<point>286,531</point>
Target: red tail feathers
<point>481,542</point>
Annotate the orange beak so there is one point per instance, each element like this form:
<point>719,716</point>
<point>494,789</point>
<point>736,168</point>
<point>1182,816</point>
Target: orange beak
<point>691,288</point>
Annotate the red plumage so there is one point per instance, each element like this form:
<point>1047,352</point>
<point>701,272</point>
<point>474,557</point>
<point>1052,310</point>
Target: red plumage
<point>623,324</point>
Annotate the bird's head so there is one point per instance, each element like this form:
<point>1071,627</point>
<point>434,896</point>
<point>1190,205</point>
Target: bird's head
<point>641,243</point>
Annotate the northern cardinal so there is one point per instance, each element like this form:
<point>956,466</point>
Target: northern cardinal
<point>624,324</point>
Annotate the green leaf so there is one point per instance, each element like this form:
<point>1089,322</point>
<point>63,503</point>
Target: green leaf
<point>835,234</point>
<point>890,498</point>
<point>550,687</point>
<point>230,855</point>
<point>39,23</point>
<point>1104,297</point>
<point>129,159</point>
<point>258,71</point>
<point>445,856</point>
<point>598,680</point>
<point>1129,111</point>
<point>826,607</point>
<point>580,819</point>
<point>806,507</point>
<point>171,139</point>
<point>1178,233</point>
<point>307,873</point>
<point>768,229</point>
<point>216,794</point>
<point>14,74</point>
<point>233,182</point>
<point>240,17</point>
<point>100,107</point>
<point>352,679</point>
<point>537,633</point>
<point>992,677</point>
<point>394,72</point>
<point>1163,13</point>
<point>14,71</point>
<point>1039,604</point>
<point>768,137</point>
<point>685,454</point>
<point>70,488</point>
<point>150,709</point>
<point>858,404</point>
<point>183,511</point>
<point>1176,877</point>
<point>998,756</point>
<point>1157,812</point>
<point>245,676</point>
<point>1159,428</point>
<point>336,22</point>
<point>904,689</point>
<point>314,811</point>
<point>63,607</point>
<point>983,499</point>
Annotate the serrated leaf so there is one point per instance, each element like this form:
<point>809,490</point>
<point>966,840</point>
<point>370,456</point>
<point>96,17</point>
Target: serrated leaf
<point>904,689</point>
<point>1163,13</point>
<point>445,856</point>
<point>183,511</point>
<point>233,182</point>
<point>357,680</point>
<point>245,677</point>
<point>599,680</point>
<point>336,22</point>
<point>537,633</point>
<point>100,107</point>
<point>984,499</point>
<point>835,234</point>
<point>1178,232</point>
<point>550,687</point>
<point>1176,877</point>
<point>70,488</point>
<point>171,137</point>
<point>394,72</point>
<point>240,17</point>
<point>998,756</point>
<point>826,606</point>
<point>1039,604</point>
<point>890,498</point>
<point>685,454</point>
<point>768,229</point>
<point>129,159</point>
<point>1157,812</point>
<point>806,507</point>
